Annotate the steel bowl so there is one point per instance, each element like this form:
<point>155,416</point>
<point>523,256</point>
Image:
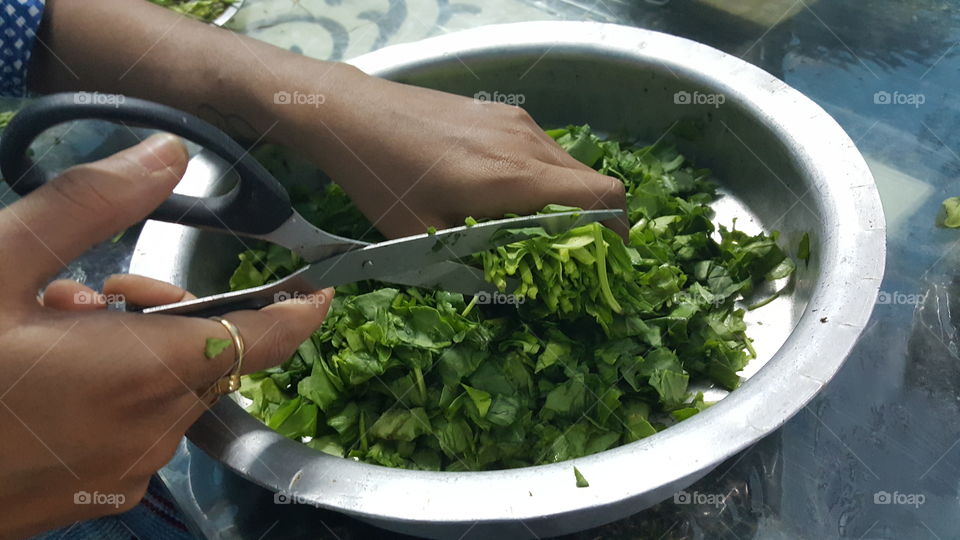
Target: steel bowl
<point>784,164</point>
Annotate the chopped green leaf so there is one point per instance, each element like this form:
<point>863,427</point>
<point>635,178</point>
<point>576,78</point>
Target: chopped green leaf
<point>6,117</point>
<point>205,10</point>
<point>581,481</point>
<point>949,213</point>
<point>215,346</point>
<point>763,302</point>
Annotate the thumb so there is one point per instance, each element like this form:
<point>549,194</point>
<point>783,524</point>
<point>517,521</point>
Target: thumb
<point>85,205</point>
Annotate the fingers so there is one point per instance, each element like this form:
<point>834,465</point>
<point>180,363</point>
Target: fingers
<point>273,333</point>
<point>593,189</point>
<point>85,205</point>
<point>590,190</point>
<point>69,295</point>
<point>270,336</point>
<point>143,291</point>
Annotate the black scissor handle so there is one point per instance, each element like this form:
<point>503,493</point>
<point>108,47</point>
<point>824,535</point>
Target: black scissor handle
<point>258,204</point>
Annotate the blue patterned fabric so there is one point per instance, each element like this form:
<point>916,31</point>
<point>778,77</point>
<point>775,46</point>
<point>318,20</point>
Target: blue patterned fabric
<point>19,20</point>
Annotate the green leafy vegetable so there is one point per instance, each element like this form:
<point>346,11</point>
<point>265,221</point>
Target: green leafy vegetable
<point>205,10</point>
<point>600,352</point>
<point>949,213</point>
<point>6,117</point>
<point>581,481</point>
<point>215,346</point>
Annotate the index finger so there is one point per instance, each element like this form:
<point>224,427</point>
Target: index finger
<point>270,336</point>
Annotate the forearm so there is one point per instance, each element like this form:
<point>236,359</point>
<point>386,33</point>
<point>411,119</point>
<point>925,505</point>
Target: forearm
<point>135,48</point>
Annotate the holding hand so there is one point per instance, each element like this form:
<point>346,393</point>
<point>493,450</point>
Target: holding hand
<point>411,157</point>
<point>96,401</point>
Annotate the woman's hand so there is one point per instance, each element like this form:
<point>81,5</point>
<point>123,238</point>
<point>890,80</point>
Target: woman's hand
<point>93,402</point>
<point>411,157</point>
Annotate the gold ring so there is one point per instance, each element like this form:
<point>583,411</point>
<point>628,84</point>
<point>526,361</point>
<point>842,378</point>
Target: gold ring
<point>230,383</point>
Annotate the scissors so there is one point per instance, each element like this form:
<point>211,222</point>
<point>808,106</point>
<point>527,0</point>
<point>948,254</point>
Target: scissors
<point>259,207</point>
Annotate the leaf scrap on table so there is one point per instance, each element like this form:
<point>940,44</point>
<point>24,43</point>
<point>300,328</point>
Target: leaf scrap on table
<point>205,10</point>
<point>949,215</point>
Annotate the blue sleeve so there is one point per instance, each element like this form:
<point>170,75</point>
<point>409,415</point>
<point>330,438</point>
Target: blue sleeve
<point>19,21</point>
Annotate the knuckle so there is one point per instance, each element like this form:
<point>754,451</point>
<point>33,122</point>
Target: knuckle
<point>156,386</point>
<point>616,192</point>
<point>508,168</point>
<point>517,113</point>
<point>522,133</point>
<point>77,188</point>
<point>280,343</point>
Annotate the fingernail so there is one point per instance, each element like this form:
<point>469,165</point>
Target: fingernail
<point>159,152</point>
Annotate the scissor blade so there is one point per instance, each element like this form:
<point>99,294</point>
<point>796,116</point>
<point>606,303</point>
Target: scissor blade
<point>448,276</point>
<point>424,260</point>
<point>393,257</point>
